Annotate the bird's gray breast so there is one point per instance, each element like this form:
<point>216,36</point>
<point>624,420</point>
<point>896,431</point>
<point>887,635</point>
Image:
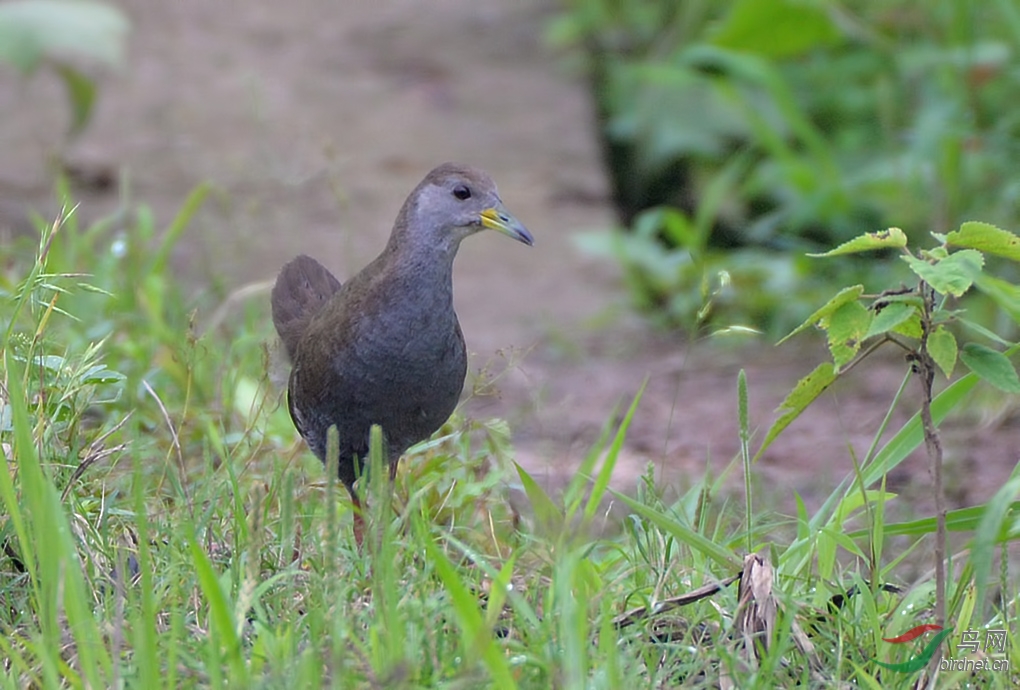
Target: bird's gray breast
<point>414,369</point>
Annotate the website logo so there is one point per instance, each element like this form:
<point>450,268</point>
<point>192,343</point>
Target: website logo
<point>921,659</point>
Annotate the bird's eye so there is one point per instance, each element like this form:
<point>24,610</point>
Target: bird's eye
<point>462,192</point>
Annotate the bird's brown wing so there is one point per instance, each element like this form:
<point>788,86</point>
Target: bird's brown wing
<point>301,289</point>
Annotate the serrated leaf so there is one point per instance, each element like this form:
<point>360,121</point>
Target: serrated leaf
<point>889,317</point>
<point>847,294</point>
<point>942,347</point>
<point>910,298</point>
<point>846,328</point>
<point>802,395</point>
<point>893,238</point>
<point>992,366</point>
<point>910,328</point>
<point>987,238</point>
<point>952,275</point>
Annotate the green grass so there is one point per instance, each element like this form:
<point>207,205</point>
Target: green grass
<point>163,526</point>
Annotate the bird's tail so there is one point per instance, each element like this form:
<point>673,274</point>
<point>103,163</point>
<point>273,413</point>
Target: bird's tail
<point>301,289</point>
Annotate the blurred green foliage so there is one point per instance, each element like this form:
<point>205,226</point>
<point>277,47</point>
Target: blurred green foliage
<point>822,119</point>
<point>60,34</point>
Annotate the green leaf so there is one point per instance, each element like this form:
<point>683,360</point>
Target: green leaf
<point>959,520</point>
<point>695,540</point>
<point>847,294</point>
<point>952,275</point>
<point>997,517</point>
<point>942,347</point>
<point>547,515</point>
<point>991,365</point>
<point>501,586</point>
<point>35,30</point>
<point>911,327</point>
<point>221,622</point>
<point>793,28</point>
<point>987,238</point>
<point>20,49</point>
<point>846,328</point>
<point>889,317</point>
<point>1003,293</point>
<point>601,482</point>
<point>476,638</point>
<point>983,331</point>
<point>81,92</point>
<point>100,374</point>
<point>893,238</point>
<point>802,395</point>
<point>52,363</point>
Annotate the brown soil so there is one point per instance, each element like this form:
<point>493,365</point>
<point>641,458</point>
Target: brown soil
<point>314,119</point>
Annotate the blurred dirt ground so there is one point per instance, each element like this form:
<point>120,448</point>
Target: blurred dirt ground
<point>314,119</point>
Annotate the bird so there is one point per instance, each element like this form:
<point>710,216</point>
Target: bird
<point>386,348</point>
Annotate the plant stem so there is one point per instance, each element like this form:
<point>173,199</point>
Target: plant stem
<point>933,444</point>
<point>745,452</point>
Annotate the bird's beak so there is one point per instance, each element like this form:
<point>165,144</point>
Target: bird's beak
<point>498,218</point>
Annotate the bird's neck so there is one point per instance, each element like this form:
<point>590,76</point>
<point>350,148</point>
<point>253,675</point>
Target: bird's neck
<point>425,274</point>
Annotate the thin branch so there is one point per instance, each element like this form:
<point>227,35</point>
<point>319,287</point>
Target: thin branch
<point>877,343</point>
<point>925,368</point>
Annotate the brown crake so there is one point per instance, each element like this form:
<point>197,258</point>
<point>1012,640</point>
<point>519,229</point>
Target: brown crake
<point>386,347</point>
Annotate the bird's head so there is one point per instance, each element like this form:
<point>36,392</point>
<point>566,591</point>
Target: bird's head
<point>452,202</point>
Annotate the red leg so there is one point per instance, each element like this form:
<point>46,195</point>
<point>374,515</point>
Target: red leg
<point>359,519</point>
<point>393,484</point>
